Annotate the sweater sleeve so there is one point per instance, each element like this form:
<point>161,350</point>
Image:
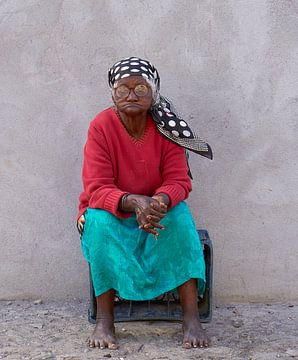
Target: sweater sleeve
<point>98,179</point>
<point>176,182</point>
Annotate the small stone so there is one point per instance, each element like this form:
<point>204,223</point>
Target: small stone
<point>123,329</point>
<point>292,352</point>
<point>107,355</point>
<point>37,302</point>
<point>140,347</point>
<point>237,323</point>
<point>9,303</point>
<point>37,326</point>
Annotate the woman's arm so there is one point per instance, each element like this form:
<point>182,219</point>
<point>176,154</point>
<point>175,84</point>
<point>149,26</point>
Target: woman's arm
<point>97,175</point>
<point>176,182</point>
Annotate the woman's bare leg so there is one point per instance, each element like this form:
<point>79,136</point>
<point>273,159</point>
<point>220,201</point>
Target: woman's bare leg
<point>104,333</point>
<point>194,334</point>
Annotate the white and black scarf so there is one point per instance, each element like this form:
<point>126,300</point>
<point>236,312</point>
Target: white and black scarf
<point>168,123</point>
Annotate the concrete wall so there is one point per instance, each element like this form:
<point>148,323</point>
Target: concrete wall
<point>230,67</point>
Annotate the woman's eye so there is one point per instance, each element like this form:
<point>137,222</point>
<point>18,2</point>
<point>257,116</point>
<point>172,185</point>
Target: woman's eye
<point>141,90</point>
<point>122,91</point>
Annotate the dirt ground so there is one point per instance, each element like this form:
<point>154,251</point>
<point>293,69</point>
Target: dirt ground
<point>56,330</point>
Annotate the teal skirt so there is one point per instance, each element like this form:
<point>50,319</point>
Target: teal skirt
<point>131,261</point>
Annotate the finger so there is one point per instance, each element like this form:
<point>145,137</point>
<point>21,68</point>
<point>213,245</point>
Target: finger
<point>141,218</point>
<point>153,218</point>
<point>80,226</point>
<point>163,205</point>
<point>156,225</point>
<point>153,232</point>
<point>160,214</point>
<point>149,229</point>
<point>82,219</point>
<point>158,207</point>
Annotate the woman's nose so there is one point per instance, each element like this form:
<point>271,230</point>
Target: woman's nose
<point>132,96</point>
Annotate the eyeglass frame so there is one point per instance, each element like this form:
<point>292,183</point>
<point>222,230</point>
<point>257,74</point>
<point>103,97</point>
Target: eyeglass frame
<point>132,88</point>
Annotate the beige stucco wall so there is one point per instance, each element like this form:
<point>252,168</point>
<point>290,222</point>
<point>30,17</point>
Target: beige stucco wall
<point>230,67</point>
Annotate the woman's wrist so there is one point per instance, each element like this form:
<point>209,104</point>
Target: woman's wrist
<point>128,203</point>
<point>162,197</point>
<point>123,202</point>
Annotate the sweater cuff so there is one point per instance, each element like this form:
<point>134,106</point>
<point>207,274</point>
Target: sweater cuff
<point>111,203</point>
<point>175,195</point>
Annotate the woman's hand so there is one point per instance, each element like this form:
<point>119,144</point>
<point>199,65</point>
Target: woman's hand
<point>80,224</point>
<point>162,206</point>
<point>148,212</point>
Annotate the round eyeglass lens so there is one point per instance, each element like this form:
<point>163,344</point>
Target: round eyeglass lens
<point>122,91</point>
<point>141,90</point>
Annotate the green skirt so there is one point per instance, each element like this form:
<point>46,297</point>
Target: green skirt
<point>131,261</point>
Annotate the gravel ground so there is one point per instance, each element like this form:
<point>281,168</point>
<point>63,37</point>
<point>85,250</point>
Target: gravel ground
<point>56,330</point>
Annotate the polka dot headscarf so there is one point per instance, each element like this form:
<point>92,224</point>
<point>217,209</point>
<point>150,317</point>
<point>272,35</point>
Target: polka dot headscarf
<point>167,121</point>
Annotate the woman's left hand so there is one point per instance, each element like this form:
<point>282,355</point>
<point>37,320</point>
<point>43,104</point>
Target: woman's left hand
<point>161,207</point>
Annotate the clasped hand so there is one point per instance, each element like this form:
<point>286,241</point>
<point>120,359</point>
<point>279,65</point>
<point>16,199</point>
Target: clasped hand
<point>149,211</point>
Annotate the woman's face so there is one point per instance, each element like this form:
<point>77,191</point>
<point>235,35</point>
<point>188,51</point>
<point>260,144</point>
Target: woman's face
<point>132,96</point>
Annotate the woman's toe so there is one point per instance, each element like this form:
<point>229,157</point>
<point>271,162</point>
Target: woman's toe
<point>112,346</point>
<point>90,343</point>
<point>186,345</point>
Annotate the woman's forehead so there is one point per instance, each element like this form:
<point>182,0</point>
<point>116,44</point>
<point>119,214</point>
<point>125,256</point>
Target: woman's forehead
<point>132,80</point>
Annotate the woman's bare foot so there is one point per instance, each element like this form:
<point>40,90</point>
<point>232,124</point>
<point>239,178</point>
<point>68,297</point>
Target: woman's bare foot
<point>194,334</point>
<point>103,335</point>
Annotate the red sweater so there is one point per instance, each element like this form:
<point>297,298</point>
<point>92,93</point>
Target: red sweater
<point>115,164</point>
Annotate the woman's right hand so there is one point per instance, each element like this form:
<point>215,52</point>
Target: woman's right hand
<point>148,211</point>
<point>80,224</point>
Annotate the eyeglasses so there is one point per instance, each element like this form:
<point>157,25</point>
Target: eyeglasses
<point>123,91</point>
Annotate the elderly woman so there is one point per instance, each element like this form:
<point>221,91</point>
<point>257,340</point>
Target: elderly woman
<point>138,234</point>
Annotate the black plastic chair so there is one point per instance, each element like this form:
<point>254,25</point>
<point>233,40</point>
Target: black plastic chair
<point>166,306</point>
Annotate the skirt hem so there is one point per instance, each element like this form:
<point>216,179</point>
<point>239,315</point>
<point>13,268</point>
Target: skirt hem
<point>154,294</point>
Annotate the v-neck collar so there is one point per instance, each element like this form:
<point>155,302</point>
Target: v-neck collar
<point>140,140</point>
